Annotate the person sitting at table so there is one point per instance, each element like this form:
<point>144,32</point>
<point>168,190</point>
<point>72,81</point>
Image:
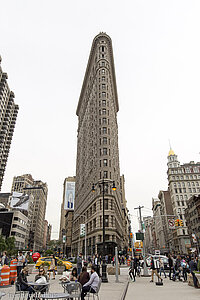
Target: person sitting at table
<point>84,276</point>
<point>74,275</point>
<point>23,283</point>
<point>42,278</point>
<point>92,285</point>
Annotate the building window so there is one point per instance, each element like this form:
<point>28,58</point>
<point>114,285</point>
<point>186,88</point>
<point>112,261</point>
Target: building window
<point>105,174</point>
<point>106,221</point>
<point>103,94</point>
<point>103,111</point>
<point>103,71</point>
<point>103,86</point>
<point>188,183</point>
<point>106,204</point>
<point>105,151</point>
<point>104,102</point>
<point>100,163</point>
<point>105,162</point>
<point>103,78</point>
<point>104,121</point>
<point>104,130</point>
<point>105,140</point>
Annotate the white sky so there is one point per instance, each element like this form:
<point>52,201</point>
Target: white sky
<point>45,47</point>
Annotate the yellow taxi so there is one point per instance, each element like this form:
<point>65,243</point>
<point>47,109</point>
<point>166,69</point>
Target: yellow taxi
<point>47,260</point>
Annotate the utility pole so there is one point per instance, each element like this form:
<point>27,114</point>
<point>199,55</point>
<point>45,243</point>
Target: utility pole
<point>146,273</point>
<point>140,207</point>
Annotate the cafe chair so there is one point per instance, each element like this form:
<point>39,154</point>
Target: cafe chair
<point>96,294</point>
<point>74,289</point>
<point>20,295</point>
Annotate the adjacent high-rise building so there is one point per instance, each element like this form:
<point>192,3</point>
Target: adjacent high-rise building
<point>38,190</point>
<point>67,203</point>
<point>184,182</point>
<point>98,154</point>
<point>8,115</point>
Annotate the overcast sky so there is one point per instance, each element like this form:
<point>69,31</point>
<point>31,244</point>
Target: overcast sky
<point>45,46</point>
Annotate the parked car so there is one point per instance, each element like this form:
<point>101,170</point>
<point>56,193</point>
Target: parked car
<point>41,260</point>
<point>156,257</point>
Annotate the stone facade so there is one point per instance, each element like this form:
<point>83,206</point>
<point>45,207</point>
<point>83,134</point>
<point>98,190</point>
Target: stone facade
<point>98,154</point>
<point>8,116</point>
<point>192,215</point>
<point>184,182</point>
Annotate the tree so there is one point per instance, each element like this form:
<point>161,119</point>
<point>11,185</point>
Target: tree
<point>10,245</point>
<point>2,244</point>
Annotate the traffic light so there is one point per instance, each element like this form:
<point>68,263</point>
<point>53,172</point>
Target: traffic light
<point>180,222</point>
<point>131,235</point>
<point>177,222</point>
<point>141,244</point>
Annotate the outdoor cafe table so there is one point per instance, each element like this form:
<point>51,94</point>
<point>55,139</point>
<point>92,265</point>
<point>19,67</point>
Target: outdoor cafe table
<point>37,286</point>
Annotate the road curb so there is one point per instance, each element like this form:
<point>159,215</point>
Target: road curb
<point>125,290</point>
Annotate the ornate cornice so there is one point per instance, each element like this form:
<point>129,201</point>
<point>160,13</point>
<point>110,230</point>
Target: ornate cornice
<point>87,73</point>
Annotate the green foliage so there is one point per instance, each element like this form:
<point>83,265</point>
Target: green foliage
<point>2,244</point>
<point>10,245</point>
<point>198,265</point>
<point>48,252</point>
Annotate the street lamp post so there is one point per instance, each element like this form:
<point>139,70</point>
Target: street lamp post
<point>103,183</point>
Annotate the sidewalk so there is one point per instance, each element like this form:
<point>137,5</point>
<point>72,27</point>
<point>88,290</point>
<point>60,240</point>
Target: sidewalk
<point>110,290</point>
<point>146,290</point>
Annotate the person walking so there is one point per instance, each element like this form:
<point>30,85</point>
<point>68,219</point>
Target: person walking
<point>184,266</point>
<point>171,265</point>
<point>136,264</point>
<point>20,262</point>
<point>193,267</point>
<point>154,270</point>
<point>131,270</point>
<point>161,267</point>
<point>79,263</point>
<point>52,267</point>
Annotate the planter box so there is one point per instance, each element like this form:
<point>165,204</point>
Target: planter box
<point>111,271</point>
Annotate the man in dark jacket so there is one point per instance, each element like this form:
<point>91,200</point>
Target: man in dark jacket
<point>171,264</point>
<point>193,267</point>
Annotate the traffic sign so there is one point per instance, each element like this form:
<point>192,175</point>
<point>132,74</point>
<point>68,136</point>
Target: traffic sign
<point>171,223</point>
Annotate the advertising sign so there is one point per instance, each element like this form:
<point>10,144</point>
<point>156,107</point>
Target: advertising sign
<point>19,201</point>
<point>69,195</point>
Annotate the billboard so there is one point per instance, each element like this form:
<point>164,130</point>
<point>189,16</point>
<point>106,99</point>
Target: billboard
<point>19,201</point>
<point>69,195</point>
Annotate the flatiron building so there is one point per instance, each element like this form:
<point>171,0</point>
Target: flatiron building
<point>98,155</point>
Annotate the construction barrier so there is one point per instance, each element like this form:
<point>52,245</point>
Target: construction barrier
<point>5,274</point>
<point>13,271</point>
